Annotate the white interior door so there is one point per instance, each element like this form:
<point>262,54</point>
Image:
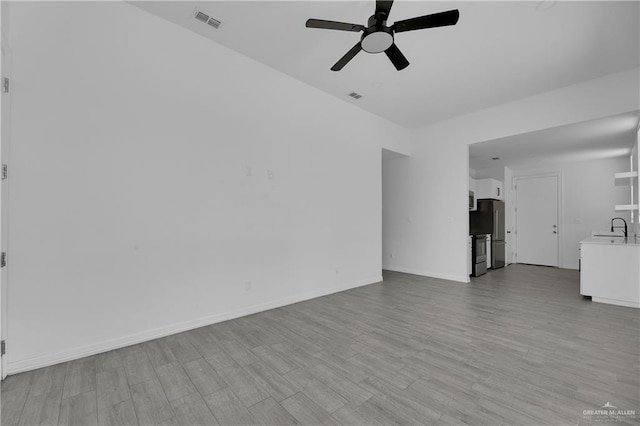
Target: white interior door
<point>537,220</point>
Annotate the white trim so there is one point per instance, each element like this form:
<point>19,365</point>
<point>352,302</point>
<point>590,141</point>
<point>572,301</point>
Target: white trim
<point>132,339</point>
<point>456,278</point>
<point>560,201</point>
<point>616,302</point>
<point>5,133</point>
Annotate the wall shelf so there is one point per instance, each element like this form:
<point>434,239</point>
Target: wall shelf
<point>624,175</point>
<point>626,207</point>
<point>626,178</point>
<point>629,179</point>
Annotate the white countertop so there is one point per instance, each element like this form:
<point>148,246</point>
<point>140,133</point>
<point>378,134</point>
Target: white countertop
<point>612,241</point>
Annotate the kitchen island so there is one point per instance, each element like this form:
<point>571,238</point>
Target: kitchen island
<point>610,270</point>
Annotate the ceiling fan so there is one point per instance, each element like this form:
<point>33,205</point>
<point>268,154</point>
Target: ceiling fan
<point>377,37</point>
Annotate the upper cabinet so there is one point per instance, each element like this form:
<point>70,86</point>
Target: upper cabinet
<point>473,194</point>
<point>489,188</point>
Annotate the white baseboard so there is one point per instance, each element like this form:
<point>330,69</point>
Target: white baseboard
<point>574,268</point>
<point>132,339</point>
<point>461,279</point>
<point>627,303</point>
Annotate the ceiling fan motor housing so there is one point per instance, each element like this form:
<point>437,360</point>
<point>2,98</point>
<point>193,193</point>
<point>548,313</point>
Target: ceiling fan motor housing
<point>377,37</point>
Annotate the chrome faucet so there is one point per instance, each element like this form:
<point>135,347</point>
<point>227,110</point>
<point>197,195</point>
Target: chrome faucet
<point>625,226</point>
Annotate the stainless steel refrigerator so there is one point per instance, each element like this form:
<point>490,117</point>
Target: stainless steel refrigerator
<point>489,219</point>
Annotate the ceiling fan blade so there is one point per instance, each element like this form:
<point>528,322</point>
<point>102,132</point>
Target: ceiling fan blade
<point>332,25</point>
<point>347,57</point>
<point>383,6</point>
<point>441,19</point>
<point>397,58</point>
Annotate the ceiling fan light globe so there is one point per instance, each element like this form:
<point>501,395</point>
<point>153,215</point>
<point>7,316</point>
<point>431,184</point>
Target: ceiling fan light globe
<point>377,42</point>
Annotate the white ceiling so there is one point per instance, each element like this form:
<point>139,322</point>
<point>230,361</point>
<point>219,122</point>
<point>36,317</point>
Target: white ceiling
<point>590,140</point>
<point>498,52</point>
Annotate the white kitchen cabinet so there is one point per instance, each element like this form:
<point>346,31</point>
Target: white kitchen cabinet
<point>489,188</point>
<point>610,270</point>
<point>473,189</point>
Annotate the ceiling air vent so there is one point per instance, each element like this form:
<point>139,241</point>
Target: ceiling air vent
<point>214,23</point>
<point>355,95</point>
<point>203,17</point>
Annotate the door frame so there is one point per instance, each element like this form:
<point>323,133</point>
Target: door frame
<point>5,136</point>
<point>560,201</point>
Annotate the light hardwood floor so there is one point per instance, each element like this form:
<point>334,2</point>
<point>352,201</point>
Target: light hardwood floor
<point>516,346</point>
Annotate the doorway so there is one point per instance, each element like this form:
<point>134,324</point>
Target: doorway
<point>393,183</point>
<point>537,219</point>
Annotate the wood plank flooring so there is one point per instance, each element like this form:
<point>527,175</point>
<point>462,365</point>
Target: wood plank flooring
<point>516,346</point>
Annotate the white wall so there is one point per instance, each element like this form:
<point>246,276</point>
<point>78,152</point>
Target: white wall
<point>155,173</point>
<point>587,200</point>
<point>635,153</point>
<point>5,120</point>
<point>431,187</point>
<point>423,224</point>
<point>496,173</point>
<point>636,166</point>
